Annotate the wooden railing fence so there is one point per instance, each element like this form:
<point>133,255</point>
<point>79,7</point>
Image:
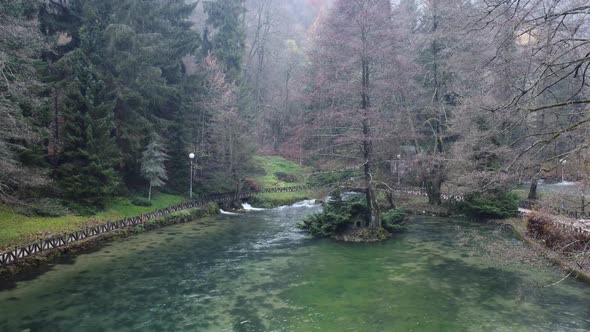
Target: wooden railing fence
<point>62,240</point>
<point>576,226</point>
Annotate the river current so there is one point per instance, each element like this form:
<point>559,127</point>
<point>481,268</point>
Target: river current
<point>256,271</point>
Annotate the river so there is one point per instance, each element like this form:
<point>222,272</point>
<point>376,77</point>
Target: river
<point>257,272</point>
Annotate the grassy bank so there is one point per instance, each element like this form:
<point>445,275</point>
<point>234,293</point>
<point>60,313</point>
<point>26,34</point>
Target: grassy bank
<point>278,172</point>
<point>272,200</point>
<point>18,229</point>
<point>273,167</point>
<point>38,262</point>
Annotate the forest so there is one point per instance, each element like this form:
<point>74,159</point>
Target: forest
<point>265,138</point>
<point>104,98</point>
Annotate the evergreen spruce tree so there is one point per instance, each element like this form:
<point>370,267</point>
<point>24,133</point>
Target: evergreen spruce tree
<point>152,164</point>
<point>178,149</point>
<point>146,43</point>
<point>228,43</point>
<point>85,170</point>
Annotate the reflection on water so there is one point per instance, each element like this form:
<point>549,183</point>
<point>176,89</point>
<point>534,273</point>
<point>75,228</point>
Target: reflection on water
<point>258,272</point>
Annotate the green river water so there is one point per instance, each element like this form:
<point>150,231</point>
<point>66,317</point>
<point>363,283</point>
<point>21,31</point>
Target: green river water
<point>258,272</point>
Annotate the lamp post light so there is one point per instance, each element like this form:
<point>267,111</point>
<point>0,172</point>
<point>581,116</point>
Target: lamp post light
<point>191,156</point>
<point>399,156</point>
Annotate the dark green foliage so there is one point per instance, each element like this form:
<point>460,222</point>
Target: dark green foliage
<point>328,178</point>
<point>141,201</point>
<point>228,43</point>
<point>212,209</point>
<point>490,206</point>
<point>393,220</point>
<point>336,217</point>
<point>118,72</point>
<point>326,224</point>
<point>178,164</point>
<point>19,8</point>
<point>86,167</point>
<point>82,210</point>
<point>251,185</point>
<point>23,102</point>
<point>45,207</point>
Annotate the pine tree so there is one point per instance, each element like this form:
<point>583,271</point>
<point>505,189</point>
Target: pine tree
<point>146,44</point>
<point>228,43</point>
<point>178,149</point>
<point>152,164</point>
<point>85,170</point>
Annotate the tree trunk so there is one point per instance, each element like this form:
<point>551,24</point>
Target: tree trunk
<point>433,191</point>
<point>389,196</point>
<point>374,215</point>
<point>150,193</point>
<point>533,189</point>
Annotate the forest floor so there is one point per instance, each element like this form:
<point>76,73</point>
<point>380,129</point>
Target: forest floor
<point>18,229</point>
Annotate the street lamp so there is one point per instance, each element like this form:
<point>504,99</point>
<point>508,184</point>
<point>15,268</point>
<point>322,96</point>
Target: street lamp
<point>191,156</point>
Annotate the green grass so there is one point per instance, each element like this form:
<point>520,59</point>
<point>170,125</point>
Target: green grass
<point>271,200</point>
<point>273,165</point>
<point>19,229</point>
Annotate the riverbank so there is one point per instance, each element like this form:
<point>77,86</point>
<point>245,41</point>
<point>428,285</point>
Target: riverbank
<point>34,257</point>
<point>42,260</point>
<point>274,200</point>
<point>18,229</point>
<point>520,230</point>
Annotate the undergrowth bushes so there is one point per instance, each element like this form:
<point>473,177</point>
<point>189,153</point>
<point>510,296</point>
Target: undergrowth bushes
<point>141,201</point>
<point>490,206</point>
<point>394,220</point>
<point>286,177</point>
<point>341,216</point>
<point>335,217</point>
<point>45,207</point>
